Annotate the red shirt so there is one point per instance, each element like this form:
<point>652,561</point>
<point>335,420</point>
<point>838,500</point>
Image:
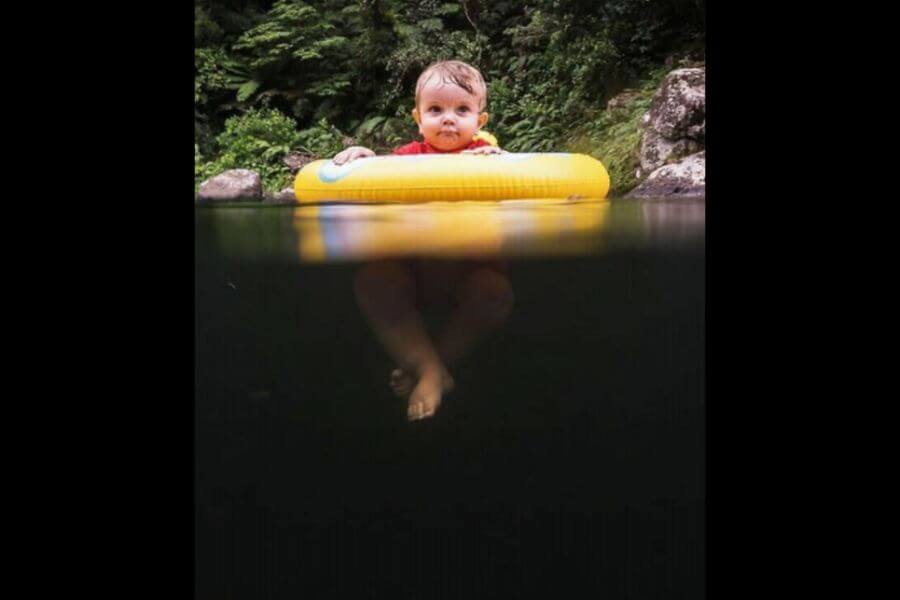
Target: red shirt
<point>426,148</point>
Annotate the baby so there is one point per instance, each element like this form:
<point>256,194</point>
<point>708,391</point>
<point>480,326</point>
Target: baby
<point>450,100</point>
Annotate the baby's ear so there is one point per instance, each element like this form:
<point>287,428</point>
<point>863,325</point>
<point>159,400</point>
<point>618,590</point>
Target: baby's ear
<point>482,119</point>
<point>417,119</point>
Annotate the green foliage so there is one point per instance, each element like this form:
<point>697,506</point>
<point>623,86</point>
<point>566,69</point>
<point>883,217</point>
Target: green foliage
<point>614,137</point>
<point>206,31</point>
<point>322,140</point>
<point>293,30</point>
<point>256,140</point>
<point>210,74</point>
<point>541,95</point>
<point>296,46</point>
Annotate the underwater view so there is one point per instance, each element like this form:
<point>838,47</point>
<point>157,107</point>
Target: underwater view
<point>566,436</point>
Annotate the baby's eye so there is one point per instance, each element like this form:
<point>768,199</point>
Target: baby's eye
<point>434,109</point>
<point>463,109</point>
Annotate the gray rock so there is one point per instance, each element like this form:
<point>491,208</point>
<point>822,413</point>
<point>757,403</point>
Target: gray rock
<point>657,150</point>
<point>285,196</point>
<point>686,179</point>
<point>234,185</point>
<point>678,109</point>
<point>675,125</point>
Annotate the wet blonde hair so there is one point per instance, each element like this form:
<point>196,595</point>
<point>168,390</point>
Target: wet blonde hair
<point>457,72</point>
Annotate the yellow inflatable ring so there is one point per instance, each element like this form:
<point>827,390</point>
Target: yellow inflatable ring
<point>453,177</point>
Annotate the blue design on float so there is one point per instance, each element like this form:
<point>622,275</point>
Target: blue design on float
<point>330,172</point>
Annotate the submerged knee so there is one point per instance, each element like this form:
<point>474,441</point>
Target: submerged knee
<point>490,295</point>
<point>386,288</point>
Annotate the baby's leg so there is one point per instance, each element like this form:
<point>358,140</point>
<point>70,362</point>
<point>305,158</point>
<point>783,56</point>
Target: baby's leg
<point>484,301</point>
<point>386,294</point>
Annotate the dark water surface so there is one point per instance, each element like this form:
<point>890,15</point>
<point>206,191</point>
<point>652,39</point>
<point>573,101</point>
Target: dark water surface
<point>568,461</point>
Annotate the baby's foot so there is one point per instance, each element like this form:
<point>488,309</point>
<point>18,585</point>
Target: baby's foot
<point>402,383</point>
<point>426,395</point>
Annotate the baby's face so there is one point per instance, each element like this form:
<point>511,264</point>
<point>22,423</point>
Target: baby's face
<point>448,116</point>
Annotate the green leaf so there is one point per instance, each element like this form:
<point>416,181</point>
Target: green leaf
<point>518,126</point>
<point>431,25</point>
<point>370,124</point>
<point>247,90</point>
<point>447,9</point>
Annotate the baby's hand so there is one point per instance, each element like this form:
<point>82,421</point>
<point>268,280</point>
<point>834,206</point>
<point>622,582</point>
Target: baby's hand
<point>351,153</point>
<point>485,150</point>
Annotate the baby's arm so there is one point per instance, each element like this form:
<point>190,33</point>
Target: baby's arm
<point>351,153</point>
<point>485,150</point>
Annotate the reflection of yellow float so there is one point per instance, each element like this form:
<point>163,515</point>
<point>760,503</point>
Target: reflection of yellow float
<point>453,177</point>
<point>449,229</point>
